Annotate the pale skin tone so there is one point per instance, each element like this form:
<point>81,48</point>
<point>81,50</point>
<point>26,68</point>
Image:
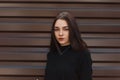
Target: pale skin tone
<point>61,30</point>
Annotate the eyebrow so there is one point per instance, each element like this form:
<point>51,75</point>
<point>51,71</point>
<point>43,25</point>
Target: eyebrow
<point>57,26</point>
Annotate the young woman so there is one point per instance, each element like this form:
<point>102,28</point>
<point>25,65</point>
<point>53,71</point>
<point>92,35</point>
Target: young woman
<point>68,58</point>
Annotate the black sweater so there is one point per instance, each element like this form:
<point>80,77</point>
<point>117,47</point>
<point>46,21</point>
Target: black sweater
<point>71,65</point>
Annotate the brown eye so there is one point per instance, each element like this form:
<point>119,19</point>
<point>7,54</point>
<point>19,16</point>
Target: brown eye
<point>56,29</point>
<point>66,28</point>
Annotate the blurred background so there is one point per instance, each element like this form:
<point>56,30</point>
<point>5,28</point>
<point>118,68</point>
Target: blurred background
<point>25,35</point>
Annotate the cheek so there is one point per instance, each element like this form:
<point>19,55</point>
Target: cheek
<point>56,35</point>
<point>67,35</point>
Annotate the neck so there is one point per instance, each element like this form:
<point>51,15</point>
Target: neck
<point>65,44</point>
<point>63,49</point>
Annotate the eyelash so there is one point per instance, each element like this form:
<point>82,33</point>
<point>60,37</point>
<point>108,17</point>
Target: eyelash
<point>56,29</point>
<point>63,29</point>
<point>66,29</point>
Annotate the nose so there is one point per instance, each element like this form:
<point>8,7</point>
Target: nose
<point>61,33</point>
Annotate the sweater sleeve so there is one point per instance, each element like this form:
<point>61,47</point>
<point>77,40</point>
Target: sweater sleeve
<point>86,66</point>
<point>46,68</point>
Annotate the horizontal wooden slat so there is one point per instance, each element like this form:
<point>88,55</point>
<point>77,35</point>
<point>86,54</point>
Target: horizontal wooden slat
<point>24,49</point>
<point>42,78</point>
<point>90,10</point>
<point>110,78</point>
<point>100,71</point>
<point>106,72</point>
<point>46,49</point>
<point>106,57</point>
<point>52,12</point>
<point>47,35</point>
<point>38,64</point>
<point>21,71</point>
<point>22,64</point>
<point>40,39</point>
<point>8,27</point>
<point>42,57</point>
<point>106,64</point>
<point>21,78</point>
<point>25,35</point>
<point>45,42</point>
<point>24,42</point>
<point>39,54</point>
<point>103,42</point>
<point>23,57</point>
<point>35,24</point>
<point>103,1</point>
<point>60,6</point>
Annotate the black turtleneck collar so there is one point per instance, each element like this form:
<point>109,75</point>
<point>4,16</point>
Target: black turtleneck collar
<point>63,48</point>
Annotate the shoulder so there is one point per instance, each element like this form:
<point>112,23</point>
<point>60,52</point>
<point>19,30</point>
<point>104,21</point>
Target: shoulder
<point>84,54</point>
<point>50,54</point>
<point>81,54</point>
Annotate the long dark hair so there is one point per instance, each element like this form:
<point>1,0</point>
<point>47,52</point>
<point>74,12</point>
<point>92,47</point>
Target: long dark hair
<point>76,41</point>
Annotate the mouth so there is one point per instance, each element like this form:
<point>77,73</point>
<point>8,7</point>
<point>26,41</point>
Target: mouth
<point>61,39</point>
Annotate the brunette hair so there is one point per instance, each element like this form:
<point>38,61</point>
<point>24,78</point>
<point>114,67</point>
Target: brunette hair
<point>76,41</point>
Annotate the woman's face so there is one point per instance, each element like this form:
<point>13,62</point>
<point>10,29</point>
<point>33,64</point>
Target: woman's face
<point>61,31</point>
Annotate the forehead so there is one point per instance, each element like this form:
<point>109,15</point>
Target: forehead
<point>61,23</point>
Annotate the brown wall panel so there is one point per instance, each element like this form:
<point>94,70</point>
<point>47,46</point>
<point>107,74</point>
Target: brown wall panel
<point>43,25</point>
<point>21,78</point>
<point>42,57</point>
<point>25,39</point>
<point>90,10</point>
<point>46,42</point>
<point>51,13</point>
<point>22,71</point>
<point>106,78</point>
<point>39,54</point>
<point>41,78</point>
<point>90,1</point>
<point>25,35</point>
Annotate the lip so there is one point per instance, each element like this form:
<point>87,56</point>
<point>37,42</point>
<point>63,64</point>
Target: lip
<point>61,39</point>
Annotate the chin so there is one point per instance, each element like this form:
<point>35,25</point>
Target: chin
<point>62,43</point>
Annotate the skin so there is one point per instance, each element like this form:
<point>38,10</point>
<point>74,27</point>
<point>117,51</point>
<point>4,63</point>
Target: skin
<point>61,30</point>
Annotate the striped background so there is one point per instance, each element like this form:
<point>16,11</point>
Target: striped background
<point>25,35</point>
